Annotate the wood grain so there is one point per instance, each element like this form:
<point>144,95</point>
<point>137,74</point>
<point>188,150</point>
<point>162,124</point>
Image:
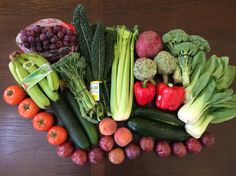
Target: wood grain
<point>25,152</point>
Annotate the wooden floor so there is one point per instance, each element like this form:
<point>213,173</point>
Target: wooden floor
<point>25,152</point>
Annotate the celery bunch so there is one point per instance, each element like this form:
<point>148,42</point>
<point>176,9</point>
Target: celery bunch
<point>122,78</point>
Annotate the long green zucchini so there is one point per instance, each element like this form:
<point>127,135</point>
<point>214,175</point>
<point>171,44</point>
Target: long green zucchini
<point>158,115</point>
<point>157,130</point>
<point>89,127</point>
<point>71,122</point>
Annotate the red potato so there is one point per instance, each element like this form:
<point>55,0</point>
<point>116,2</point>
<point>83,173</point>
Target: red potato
<point>79,157</point>
<point>106,143</point>
<point>96,155</point>
<point>207,139</point>
<point>193,145</point>
<point>163,149</point>
<point>148,44</point>
<point>179,150</point>
<point>132,151</point>
<point>116,156</point>
<point>123,136</point>
<point>107,126</point>
<point>65,150</point>
<point>146,144</point>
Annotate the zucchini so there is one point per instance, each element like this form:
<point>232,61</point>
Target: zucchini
<point>71,122</point>
<point>157,130</point>
<point>89,127</point>
<point>158,115</point>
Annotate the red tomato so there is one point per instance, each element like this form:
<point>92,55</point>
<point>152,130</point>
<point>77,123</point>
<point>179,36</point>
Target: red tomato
<point>28,108</point>
<point>14,94</point>
<point>57,135</point>
<point>43,121</point>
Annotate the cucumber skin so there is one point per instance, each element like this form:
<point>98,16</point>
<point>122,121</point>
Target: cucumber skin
<point>88,127</point>
<point>158,115</point>
<point>157,130</point>
<point>71,122</point>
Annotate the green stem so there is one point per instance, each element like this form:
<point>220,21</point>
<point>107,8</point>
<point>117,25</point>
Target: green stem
<point>165,78</point>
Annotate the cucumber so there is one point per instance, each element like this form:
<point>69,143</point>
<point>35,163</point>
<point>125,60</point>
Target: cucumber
<point>71,123</point>
<point>158,115</point>
<point>157,130</point>
<point>89,127</point>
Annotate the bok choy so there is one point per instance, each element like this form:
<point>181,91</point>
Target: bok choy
<point>226,112</point>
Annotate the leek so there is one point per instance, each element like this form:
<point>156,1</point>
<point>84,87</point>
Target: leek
<point>122,78</point>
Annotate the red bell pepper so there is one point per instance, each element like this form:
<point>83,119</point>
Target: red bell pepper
<point>169,97</point>
<point>144,92</point>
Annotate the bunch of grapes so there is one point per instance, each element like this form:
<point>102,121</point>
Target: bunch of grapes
<point>48,39</point>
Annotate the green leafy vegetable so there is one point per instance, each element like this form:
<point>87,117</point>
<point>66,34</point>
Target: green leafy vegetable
<point>72,69</point>
<point>98,53</point>
<point>85,35</point>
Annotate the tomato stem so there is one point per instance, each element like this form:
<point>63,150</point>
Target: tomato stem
<point>40,122</point>
<point>9,93</point>
<point>53,134</point>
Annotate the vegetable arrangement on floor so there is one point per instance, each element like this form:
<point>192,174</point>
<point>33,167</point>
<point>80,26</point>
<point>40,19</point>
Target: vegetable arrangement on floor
<point>168,94</point>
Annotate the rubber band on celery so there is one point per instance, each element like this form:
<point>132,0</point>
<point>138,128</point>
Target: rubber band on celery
<point>95,89</point>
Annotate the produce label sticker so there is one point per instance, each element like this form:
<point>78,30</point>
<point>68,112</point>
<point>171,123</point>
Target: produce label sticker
<point>95,90</point>
<point>36,76</point>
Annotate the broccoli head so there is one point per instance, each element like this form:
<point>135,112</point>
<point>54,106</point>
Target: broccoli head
<point>200,42</point>
<point>166,64</point>
<point>185,51</point>
<point>173,37</point>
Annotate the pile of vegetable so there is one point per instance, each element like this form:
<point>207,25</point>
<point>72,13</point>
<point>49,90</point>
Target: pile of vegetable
<point>167,95</point>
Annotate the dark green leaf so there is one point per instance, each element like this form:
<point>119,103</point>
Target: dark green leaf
<point>98,52</point>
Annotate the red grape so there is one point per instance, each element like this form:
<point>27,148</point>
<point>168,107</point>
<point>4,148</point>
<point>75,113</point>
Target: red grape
<point>73,38</point>
<point>63,30</point>
<point>31,39</point>
<point>49,35</point>
<point>37,29</point>
<point>43,37</point>
<point>53,40</point>
<point>53,46</point>
<point>39,47</point>
<point>60,35</point>
<point>24,38</point>
<point>46,47</point>
<point>66,43</point>
<point>68,32</point>
<point>59,44</point>
<point>67,38</point>
<point>27,45</point>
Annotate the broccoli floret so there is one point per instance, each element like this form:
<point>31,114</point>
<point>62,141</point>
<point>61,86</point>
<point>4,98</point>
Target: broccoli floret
<point>166,64</point>
<point>144,69</point>
<point>200,42</point>
<point>185,51</point>
<point>173,37</point>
